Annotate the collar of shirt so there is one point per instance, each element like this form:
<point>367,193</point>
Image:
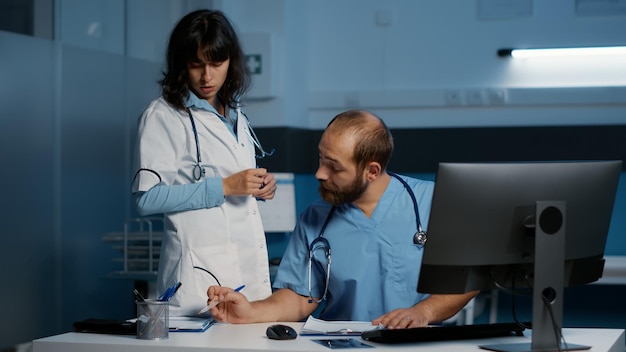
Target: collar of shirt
<point>194,102</point>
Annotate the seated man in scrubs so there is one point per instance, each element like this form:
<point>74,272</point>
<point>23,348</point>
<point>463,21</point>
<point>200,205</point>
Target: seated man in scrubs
<point>365,226</point>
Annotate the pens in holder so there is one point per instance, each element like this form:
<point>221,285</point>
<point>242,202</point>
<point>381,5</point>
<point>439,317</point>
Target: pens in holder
<point>169,293</point>
<point>206,309</point>
<point>155,318</point>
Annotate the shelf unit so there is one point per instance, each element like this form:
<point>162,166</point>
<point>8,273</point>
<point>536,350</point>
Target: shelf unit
<point>139,246</point>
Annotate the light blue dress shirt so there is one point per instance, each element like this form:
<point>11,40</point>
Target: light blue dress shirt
<point>374,263</point>
<point>194,101</point>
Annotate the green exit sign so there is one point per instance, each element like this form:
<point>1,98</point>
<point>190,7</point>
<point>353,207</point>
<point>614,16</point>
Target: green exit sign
<point>254,62</point>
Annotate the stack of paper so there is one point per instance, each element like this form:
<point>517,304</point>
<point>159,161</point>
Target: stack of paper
<point>314,326</point>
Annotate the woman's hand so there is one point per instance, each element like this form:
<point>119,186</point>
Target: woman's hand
<point>256,182</point>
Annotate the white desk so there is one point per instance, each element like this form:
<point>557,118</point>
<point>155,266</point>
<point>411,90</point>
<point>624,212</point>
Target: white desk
<point>251,337</point>
<point>614,270</point>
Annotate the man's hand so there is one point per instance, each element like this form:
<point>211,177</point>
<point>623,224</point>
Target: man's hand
<point>233,306</point>
<point>402,318</point>
<point>434,309</point>
<point>282,305</point>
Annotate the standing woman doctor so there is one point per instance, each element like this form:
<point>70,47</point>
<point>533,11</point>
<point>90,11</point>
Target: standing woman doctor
<point>195,163</point>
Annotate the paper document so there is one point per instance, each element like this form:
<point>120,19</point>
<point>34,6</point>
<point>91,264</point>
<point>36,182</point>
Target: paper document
<point>314,326</point>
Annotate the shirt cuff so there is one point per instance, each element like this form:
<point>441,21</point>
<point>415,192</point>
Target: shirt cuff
<point>214,191</point>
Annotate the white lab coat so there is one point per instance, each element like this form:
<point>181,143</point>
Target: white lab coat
<point>228,241</point>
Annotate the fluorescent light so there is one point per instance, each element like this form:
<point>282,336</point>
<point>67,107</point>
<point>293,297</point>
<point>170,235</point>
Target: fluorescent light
<point>555,52</point>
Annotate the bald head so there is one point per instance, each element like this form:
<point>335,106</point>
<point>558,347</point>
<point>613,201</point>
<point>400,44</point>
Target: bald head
<point>353,121</point>
<point>372,139</point>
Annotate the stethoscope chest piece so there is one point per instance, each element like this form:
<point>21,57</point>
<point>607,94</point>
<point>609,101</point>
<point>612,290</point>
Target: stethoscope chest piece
<point>420,238</point>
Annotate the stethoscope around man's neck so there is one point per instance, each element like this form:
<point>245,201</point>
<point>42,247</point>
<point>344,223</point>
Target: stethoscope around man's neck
<point>199,171</point>
<point>419,238</point>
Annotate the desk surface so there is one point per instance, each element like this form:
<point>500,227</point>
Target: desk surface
<point>614,270</point>
<point>251,337</point>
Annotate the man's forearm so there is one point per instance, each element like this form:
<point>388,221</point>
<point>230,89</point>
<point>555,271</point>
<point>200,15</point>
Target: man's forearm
<point>439,307</point>
<point>283,305</point>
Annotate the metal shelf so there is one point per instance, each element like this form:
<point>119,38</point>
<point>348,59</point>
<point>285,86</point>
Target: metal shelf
<point>139,245</point>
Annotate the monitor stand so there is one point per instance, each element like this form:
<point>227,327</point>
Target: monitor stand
<point>549,268</point>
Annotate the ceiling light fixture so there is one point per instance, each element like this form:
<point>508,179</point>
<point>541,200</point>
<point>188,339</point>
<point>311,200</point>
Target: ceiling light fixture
<point>560,52</point>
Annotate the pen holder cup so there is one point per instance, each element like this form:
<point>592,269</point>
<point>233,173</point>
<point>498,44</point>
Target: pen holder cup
<point>153,319</point>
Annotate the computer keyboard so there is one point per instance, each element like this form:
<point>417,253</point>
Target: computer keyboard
<point>444,332</point>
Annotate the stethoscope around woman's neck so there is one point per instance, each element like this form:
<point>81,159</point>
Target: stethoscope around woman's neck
<point>199,171</point>
<point>419,238</point>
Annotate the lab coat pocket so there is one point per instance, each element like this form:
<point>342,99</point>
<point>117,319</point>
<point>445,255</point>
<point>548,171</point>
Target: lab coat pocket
<point>215,265</point>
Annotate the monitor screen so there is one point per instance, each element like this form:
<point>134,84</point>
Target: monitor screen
<point>499,225</point>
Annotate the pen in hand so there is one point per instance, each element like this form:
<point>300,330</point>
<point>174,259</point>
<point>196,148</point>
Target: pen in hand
<point>206,309</point>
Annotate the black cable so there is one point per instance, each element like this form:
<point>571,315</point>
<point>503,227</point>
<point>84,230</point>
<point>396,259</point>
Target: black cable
<point>513,292</point>
<point>210,273</point>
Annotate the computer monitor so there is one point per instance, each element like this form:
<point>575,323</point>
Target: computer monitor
<point>539,225</point>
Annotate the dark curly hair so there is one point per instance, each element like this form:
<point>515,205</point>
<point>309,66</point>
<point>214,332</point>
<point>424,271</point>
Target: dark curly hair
<point>210,31</point>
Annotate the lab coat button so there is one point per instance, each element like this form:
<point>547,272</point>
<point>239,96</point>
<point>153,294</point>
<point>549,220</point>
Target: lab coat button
<point>254,212</point>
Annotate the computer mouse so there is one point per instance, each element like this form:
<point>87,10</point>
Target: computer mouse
<point>281,332</point>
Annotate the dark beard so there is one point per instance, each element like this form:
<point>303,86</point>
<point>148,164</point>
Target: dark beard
<point>335,196</point>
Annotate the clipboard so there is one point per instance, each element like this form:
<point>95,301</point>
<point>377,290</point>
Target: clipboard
<point>190,324</point>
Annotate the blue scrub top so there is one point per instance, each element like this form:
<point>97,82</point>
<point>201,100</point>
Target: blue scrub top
<point>375,264</point>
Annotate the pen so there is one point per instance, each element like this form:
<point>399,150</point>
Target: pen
<point>169,293</point>
<point>138,296</point>
<point>176,287</point>
<point>261,187</point>
<point>206,309</point>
